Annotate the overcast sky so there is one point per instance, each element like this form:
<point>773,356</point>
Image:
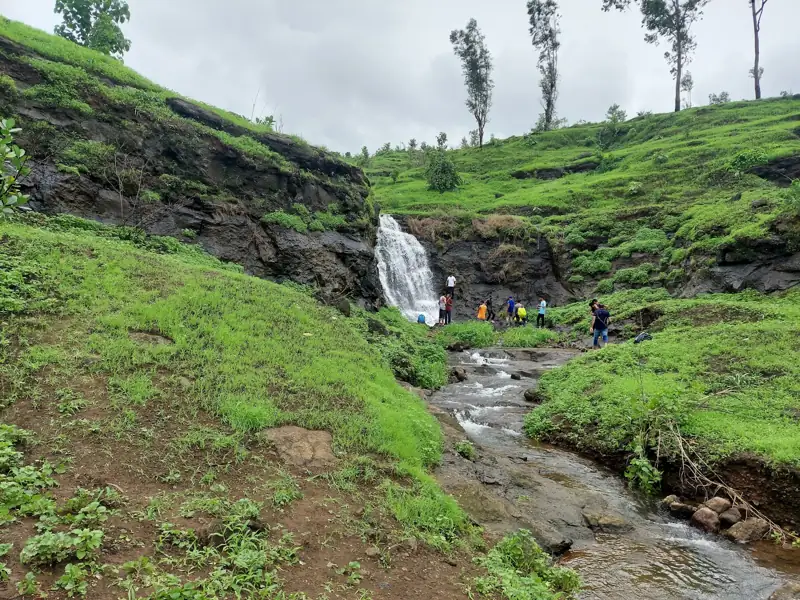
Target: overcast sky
<point>344,73</point>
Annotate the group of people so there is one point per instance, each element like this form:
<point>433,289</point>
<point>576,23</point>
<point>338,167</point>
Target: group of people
<point>515,311</point>
<point>517,314</point>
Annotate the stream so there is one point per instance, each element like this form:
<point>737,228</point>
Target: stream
<point>620,543</point>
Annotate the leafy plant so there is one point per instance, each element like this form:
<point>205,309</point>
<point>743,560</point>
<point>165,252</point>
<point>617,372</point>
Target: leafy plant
<point>441,172</point>
<point>95,24</point>
<point>466,449</point>
<point>13,169</point>
<point>641,473</point>
<point>29,586</point>
<point>73,581</point>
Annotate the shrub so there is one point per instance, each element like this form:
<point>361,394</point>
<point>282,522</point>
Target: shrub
<point>529,337</point>
<point>606,286</point>
<point>494,226</point>
<point>747,159</point>
<point>88,156</point>
<point>466,449</point>
<point>441,173</point>
<point>7,85</point>
<point>637,275</point>
<point>13,168</point>
<point>476,334</point>
<point>590,264</point>
<point>520,570</point>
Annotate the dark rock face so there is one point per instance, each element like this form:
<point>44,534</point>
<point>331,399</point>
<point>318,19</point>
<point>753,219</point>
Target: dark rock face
<point>214,189</point>
<point>556,172</point>
<point>780,172</point>
<point>481,274</point>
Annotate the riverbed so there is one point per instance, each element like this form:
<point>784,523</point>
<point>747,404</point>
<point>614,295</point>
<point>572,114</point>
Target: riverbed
<point>619,541</point>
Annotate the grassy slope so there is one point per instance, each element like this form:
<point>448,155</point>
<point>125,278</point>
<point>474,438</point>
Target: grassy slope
<point>723,368</point>
<point>673,175</point>
<point>242,354</point>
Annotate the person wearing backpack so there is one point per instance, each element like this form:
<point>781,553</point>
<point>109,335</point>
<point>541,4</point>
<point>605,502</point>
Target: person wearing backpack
<point>600,321</point>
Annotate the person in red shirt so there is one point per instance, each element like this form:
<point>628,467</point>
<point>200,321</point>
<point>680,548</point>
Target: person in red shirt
<point>448,309</point>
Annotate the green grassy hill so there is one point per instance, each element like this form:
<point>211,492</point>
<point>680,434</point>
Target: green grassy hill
<point>669,195</point>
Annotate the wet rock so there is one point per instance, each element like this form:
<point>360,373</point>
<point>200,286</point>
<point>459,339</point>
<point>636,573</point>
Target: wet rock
<point>458,374</point>
<point>606,523</point>
<point>706,519</point>
<point>671,499</point>
<point>790,591</point>
<point>343,306</point>
<point>730,518</point>
<point>492,477</point>
<point>458,346</point>
<point>759,203</point>
<point>212,534</point>
<point>718,505</point>
<point>302,447</point>
<point>516,376</point>
<point>533,396</point>
<point>372,552</point>
<point>750,530</point>
<point>681,510</point>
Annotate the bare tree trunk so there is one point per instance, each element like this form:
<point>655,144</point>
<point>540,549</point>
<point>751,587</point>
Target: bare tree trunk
<point>480,135</point>
<point>756,28</point>
<point>679,49</point>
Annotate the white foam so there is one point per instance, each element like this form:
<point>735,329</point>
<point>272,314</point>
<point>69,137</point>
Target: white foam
<point>503,375</point>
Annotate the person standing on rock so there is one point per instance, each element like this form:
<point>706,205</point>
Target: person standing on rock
<point>451,286</point>
<point>600,322</point>
<point>442,309</point>
<point>448,309</point>
<point>542,311</point>
<point>482,312</point>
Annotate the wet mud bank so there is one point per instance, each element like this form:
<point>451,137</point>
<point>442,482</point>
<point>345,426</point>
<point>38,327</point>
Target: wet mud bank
<point>624,545</point>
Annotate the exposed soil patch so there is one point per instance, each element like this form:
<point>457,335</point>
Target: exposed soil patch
<point>150,337</point>
<point>302,448</point>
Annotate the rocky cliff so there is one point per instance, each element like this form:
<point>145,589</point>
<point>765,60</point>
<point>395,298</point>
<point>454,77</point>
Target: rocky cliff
<point>108,145</point>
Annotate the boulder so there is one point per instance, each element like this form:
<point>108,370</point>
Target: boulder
<point>533,396</point>
<point>706,519</point>
<point>718,505</point>
<point>458,374</point>
<point>516,376</point>
<point>606,523</point>
<point>730,517</point>
<point>343,306</point>
<point>681,510</point>
<point>372,552</point>
<point>750,530</point>
<point>302,447</point>
<point>458,346</point>
<point>671,499</point>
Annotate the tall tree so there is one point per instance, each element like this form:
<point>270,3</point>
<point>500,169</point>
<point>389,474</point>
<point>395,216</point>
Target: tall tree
<point>671,20</point>
<point>95,24</point>
<point>544,20</point>
<point>469,44</point>
<point>757,8</point>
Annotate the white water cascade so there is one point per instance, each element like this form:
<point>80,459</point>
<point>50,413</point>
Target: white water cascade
<point>404,272</point>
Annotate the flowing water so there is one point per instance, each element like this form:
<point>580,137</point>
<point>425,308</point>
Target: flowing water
<point>646,554</point>
<point>404,272</point>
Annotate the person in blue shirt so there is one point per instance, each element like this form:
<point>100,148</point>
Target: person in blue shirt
<point>542,311</point>
<point>510,304</point>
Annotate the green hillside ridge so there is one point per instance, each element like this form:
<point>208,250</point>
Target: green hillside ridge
<point>676,187</point>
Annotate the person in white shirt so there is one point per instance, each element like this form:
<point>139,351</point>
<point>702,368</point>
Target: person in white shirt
<point>442,309</point>
<point>451,286</point>
<point>542,310</point>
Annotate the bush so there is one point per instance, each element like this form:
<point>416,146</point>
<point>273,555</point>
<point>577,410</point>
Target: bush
<point>590,264</point>
<point>13,168</point>
<point>637,275</point>
<point>441,173</point>
<point>476,334</point>
<point>466,449</point>
<point>747,159</point>
<point>88,156</point>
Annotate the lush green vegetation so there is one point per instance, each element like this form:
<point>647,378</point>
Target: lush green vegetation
<point>477,334</point>
<point>520,570</point>
<point>669,189</point>
<point>723,370</point>
<point>169,333</point>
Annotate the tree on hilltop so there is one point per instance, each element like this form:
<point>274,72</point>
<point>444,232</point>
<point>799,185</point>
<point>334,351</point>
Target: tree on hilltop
<point>671,20</point>
<point>757,8</point>
<point>469,44</point>
<point>95,24</point>
<point>544,29</point>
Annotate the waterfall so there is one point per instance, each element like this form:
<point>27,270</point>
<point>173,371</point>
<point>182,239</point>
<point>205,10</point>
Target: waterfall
<point>405,275</point>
